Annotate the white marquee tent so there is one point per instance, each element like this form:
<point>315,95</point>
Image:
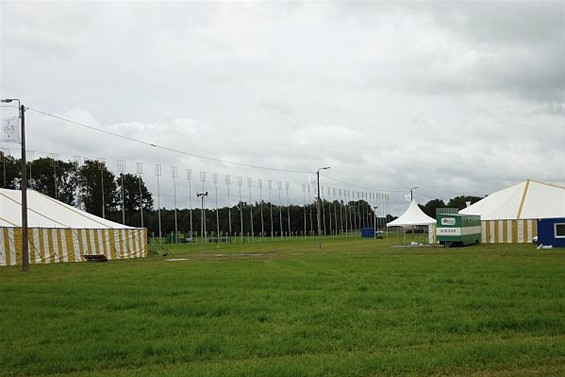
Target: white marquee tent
<point>58,232</point>
<point>510,215</point>
<point>415,216</point>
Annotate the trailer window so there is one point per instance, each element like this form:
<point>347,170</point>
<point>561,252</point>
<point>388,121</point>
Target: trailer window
<point>559,230</point>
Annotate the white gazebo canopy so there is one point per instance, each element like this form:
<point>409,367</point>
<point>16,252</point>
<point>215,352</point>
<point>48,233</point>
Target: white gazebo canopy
<point>412,216</point>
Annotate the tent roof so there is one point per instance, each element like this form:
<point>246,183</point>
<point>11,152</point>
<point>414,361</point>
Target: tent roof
<point>412,216</point>
<point>527,200</point>
<point>46,212</point>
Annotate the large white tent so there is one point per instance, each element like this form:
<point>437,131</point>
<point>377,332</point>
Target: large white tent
<point>414,216</point>
<point>58,232</point>
<point>510,215</point>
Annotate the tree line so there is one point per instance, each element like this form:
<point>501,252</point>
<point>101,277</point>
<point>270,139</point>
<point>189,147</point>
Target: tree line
<point>89,185</point>
<point>124,198</point>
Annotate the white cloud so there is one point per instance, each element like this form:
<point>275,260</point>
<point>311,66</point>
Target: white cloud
<point>456,99</point>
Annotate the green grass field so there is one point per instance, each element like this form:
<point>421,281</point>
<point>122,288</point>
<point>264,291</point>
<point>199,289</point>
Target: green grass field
<point>355,308</point>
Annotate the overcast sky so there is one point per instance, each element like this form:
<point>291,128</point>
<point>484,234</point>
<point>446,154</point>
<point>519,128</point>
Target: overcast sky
<point>457,98</point>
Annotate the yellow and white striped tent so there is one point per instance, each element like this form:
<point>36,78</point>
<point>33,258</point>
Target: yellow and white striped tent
<point>510,215</point>
<point>58,232</point>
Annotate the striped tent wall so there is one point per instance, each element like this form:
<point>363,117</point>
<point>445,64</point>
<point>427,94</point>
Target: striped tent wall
<point>56,245</point>
<point>509,231</point>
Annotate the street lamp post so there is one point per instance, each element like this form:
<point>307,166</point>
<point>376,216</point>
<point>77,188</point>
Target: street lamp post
<point>412,192</point>
<point>318,204</point>
<point>25,250</point>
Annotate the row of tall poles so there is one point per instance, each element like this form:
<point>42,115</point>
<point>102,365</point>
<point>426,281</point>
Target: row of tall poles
<point>333,221</point>
<point>121,168</point>
<point>350,215</point>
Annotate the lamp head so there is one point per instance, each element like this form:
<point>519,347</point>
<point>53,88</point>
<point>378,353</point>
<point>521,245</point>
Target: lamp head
<point>7,100</point>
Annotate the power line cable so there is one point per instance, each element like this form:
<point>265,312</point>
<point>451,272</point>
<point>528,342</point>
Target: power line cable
<point>169,149</point>
<point>174,150</point>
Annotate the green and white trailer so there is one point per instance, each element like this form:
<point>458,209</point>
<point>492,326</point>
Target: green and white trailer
<point>454,229</point>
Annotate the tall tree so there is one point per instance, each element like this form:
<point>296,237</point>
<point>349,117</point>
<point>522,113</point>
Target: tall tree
<point>97,183</point>
<point>430,208</point>
<point>54,178</point>
<point>10,173</point>
<point>136,195</point>
<point>460,202</point>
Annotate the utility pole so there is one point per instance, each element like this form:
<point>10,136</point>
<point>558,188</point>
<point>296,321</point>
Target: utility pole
<point>25,249</point>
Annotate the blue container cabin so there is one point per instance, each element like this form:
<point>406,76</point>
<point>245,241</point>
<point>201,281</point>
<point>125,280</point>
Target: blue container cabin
<point>551,232</point>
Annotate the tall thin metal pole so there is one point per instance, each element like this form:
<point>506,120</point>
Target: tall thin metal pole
<point>54,161</point>
<point>286,184</point>
<point>121,167</point>
<point>215,180</point>
<point>25,249</point>
<point>323,214</point>
<point>330,209</point>
<point>158,174</point>
<point>203,180</point>
<point>270,186</point>
<point>249,184</point>
<point>202,221</point>
<point>189,178</point>
<point>375,221</point>
<point>228,181</point>
<point>318,203</point>
<point>260,183</point>
<point>30,158</point>
<point>139,167</point>
<point>310,211</point>
<point>340,201</point>
<point>304,207</point>
<point>239,183</point>
<point>174,174</point>
<point>201,224</point>
<point>335,213</point>
<point>279,186</point>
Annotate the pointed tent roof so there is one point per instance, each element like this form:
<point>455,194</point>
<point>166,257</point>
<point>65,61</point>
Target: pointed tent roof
<point>527,200</point>
<point>46,212</point>
<point>412,216</point>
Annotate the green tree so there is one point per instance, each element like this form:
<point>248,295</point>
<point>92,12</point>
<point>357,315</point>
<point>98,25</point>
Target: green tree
<point>10,171</point>
<point>136,195</point>
<point>54,178</point>
<point>97,182</point>
<point>430,208</point>
<point>460,202</point>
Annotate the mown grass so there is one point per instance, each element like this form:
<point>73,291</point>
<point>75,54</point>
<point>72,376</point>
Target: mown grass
<point>355,308</point>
